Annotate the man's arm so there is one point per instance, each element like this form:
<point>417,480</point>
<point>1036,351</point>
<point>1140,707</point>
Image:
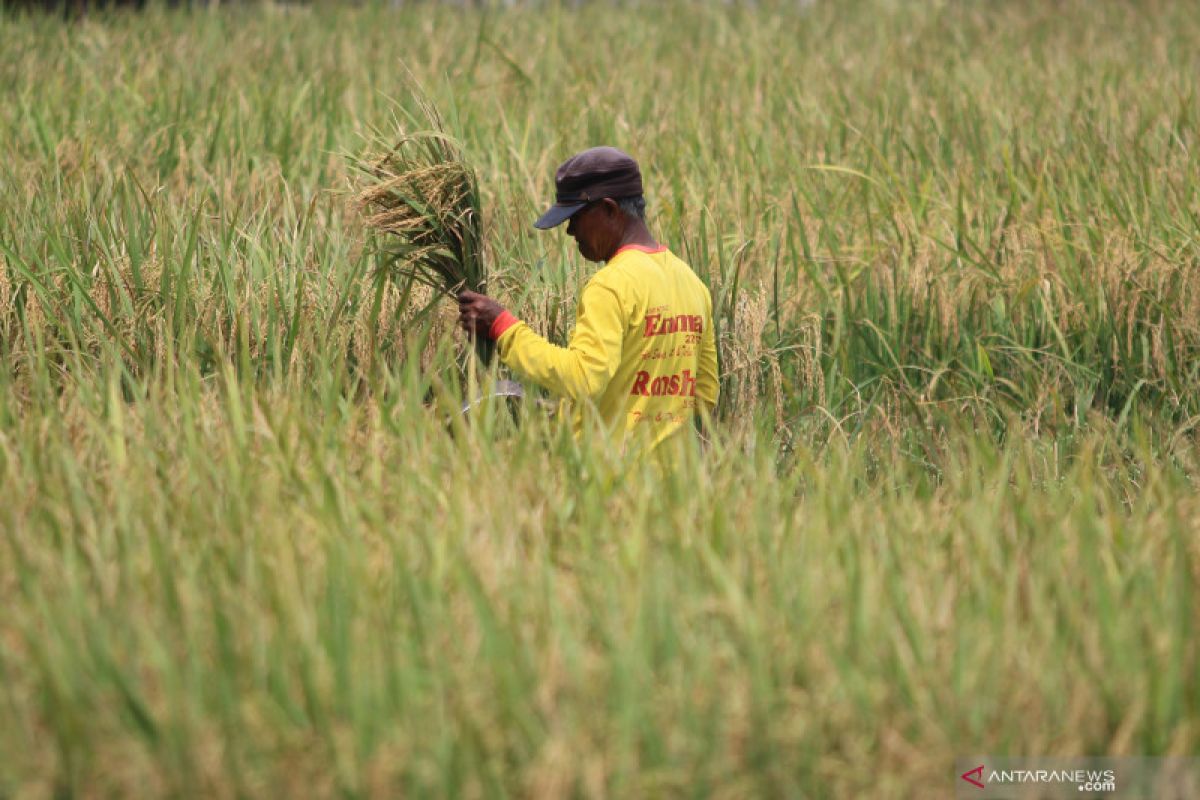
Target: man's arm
<point>708,382</point>
<point>580,370</point>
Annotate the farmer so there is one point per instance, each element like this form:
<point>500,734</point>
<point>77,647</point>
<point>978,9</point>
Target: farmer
<point>642,356</point>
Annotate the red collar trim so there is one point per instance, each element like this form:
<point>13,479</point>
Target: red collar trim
<point>662,248</point>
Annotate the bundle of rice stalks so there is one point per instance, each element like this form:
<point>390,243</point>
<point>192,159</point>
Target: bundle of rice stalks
<point>423,196</point>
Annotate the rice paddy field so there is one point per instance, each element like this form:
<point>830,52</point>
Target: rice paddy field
<point>249,548</point>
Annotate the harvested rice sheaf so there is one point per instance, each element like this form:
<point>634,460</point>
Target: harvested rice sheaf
<point>423,196</point>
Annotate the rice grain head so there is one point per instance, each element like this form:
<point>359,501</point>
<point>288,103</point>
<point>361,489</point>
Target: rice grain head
<point>422,197</point>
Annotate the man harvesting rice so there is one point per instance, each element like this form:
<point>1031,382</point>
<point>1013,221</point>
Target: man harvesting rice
<point>642,354</point>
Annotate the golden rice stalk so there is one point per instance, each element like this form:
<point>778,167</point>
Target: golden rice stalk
<point>423,196</point>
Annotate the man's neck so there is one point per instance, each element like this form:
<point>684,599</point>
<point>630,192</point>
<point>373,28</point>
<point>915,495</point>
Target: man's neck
<point>636,233</point>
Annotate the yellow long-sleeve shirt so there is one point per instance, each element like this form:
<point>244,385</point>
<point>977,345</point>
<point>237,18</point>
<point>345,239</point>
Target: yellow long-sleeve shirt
<point>643,353</point>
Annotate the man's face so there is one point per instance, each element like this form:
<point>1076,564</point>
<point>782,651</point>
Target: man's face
<point>596,229</point>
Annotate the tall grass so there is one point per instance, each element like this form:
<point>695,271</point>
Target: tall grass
<point>249,548</point>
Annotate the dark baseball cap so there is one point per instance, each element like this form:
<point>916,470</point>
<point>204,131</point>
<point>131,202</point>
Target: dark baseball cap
<point>594,174</point>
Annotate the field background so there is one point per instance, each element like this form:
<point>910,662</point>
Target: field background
<point>950,506</point>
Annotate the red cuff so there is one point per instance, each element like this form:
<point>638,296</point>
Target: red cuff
<point>501,324</point>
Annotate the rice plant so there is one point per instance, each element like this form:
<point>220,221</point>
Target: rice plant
<point>422,196</point>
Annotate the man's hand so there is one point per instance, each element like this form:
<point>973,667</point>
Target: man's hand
<point>477,312</point>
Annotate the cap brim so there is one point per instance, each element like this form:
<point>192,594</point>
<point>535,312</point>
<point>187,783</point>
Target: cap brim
<point>556,215</point>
